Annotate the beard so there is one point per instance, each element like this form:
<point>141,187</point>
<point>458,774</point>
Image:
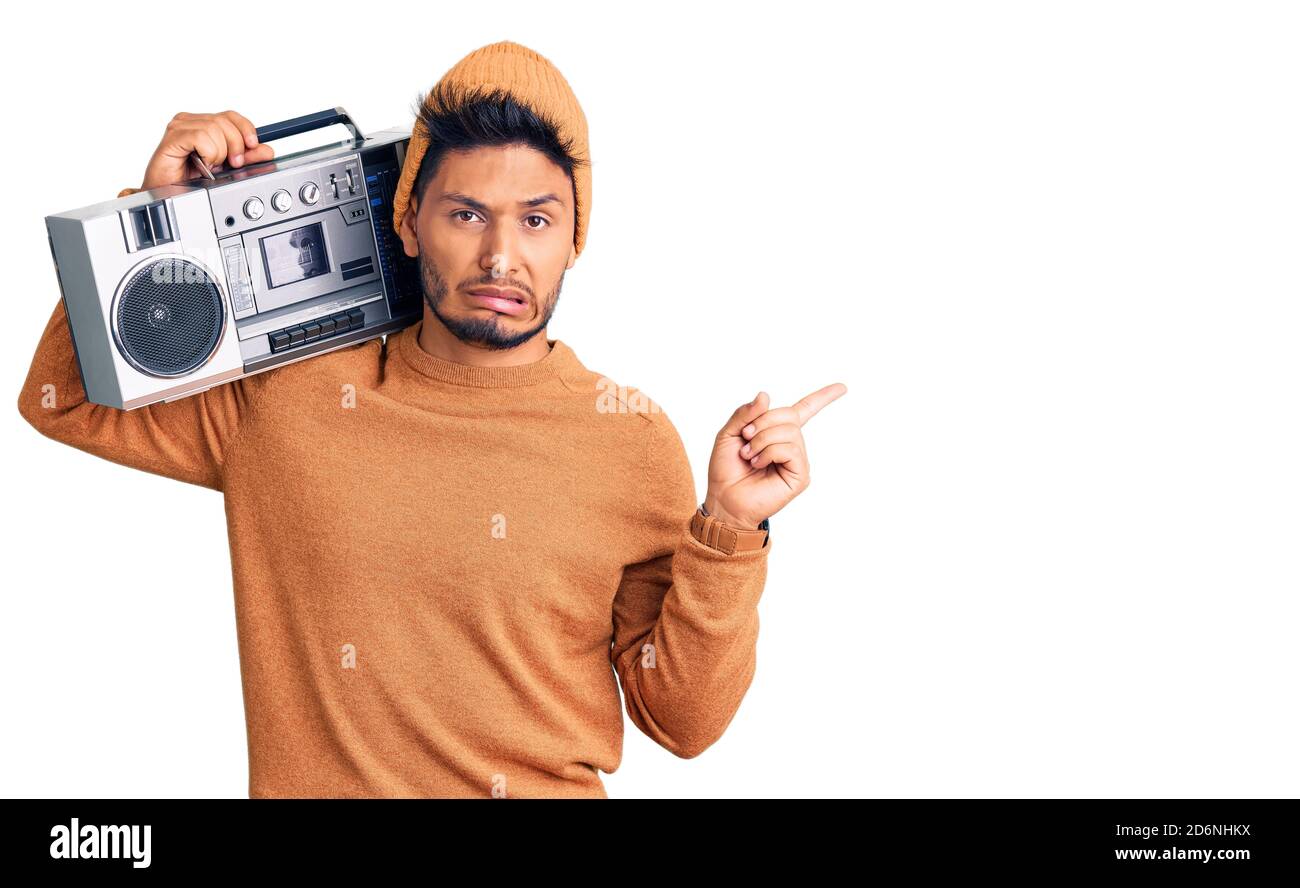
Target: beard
<point>487,332</point>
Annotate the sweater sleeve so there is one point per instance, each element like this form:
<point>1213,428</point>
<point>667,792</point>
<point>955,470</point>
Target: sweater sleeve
<point>188,439</point>
<point>685,619</point>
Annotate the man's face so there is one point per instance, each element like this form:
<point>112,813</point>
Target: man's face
<point>493,218</point>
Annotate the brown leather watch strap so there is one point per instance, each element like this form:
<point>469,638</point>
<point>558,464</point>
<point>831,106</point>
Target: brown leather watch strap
<point>716,535</point>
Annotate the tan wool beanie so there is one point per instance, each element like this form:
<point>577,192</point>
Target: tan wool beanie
<point>531,79</point>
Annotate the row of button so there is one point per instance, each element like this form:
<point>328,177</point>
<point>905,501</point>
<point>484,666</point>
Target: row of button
<point>352,319</point>
<point>281,201</point>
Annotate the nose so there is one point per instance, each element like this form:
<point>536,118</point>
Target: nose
<point>500,249</point>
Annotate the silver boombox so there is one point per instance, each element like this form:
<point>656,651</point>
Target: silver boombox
<point>174,290</point>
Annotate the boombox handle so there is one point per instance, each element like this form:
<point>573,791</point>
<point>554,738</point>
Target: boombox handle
<point>307,123</point>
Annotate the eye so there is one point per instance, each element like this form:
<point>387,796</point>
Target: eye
<point>542,219</point>
<point>457,214</point>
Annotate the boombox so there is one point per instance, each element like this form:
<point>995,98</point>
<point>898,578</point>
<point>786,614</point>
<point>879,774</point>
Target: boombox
<point>174,290</point>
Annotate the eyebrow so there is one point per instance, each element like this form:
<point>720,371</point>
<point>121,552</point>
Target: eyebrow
<point>458,197</point>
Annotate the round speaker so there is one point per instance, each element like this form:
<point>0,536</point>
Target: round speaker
<point>169,316</point>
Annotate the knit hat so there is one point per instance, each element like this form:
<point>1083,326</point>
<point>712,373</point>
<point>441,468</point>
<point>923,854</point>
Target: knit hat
<point>531,79</point>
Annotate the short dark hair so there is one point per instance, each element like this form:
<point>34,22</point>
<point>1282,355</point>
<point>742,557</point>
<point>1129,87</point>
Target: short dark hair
<point>461,119</point>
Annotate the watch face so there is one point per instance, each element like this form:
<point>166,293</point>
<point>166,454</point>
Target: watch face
<point>764,526</point>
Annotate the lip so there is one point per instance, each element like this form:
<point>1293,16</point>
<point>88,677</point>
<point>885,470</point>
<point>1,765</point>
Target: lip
<point>499,300</point>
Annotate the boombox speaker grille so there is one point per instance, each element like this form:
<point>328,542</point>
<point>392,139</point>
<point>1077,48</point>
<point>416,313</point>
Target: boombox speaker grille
<point>169,317</point>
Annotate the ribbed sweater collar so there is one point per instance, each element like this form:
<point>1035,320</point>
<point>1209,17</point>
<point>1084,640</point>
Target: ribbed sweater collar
<point>559,359</point>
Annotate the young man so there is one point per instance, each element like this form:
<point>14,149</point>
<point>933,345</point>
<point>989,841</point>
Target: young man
<point>449,547</point>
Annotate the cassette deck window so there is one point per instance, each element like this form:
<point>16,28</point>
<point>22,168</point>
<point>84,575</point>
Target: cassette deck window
<point>293,256</point>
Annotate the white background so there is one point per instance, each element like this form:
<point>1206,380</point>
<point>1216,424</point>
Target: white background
<point>1050,547</point>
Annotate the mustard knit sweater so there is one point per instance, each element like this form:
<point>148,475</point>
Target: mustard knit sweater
<point>442,573</point>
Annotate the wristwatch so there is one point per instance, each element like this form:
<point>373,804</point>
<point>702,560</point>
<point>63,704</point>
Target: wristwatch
<point>713,533</point>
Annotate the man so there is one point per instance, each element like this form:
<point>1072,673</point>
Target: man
<point>447,545</point>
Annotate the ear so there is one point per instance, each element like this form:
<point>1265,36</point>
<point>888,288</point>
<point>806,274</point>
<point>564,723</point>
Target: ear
<point>573,256</point>
<point>410,243</point>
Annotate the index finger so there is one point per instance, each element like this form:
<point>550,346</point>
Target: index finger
<point>808,405</point>
<point>245,127</point>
